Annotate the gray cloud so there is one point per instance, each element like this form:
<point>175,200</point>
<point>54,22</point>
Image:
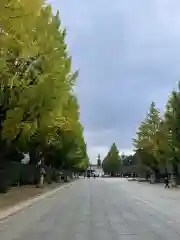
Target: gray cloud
<point>128,53</point>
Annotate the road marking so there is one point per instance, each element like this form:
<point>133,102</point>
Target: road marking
<point>141,200</point>
<point>155,225</point>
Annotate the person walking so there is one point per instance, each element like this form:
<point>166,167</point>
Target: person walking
<point>166,182</point>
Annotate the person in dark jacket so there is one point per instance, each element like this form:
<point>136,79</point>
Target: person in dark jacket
<point>166,182</point>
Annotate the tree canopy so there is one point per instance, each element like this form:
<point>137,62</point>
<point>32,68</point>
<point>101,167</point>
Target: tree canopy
<point>148,136</point>
<point>112,162</point>
<point>39,111</point>
<point>157,140</point>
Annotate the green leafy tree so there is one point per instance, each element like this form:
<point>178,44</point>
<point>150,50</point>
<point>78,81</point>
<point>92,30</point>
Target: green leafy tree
<point>148,138</point>
<point>172,118</point>
<point>39,111</point>
<point>112,162</point>
<point>17,22</point>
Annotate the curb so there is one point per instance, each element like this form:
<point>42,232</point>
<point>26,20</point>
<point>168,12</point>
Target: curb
<point>24,204</point>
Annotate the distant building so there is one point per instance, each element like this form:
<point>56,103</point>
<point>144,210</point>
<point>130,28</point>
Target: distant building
<point>94,168</point>
<point>97,169</point>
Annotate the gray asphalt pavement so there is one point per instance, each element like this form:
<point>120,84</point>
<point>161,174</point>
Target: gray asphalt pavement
<point>99,209</point>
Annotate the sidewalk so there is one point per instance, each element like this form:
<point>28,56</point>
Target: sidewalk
<point>17,194</point>
<point>26,203</point>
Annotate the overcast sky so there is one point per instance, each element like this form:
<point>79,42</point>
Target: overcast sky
<point>128,53</point>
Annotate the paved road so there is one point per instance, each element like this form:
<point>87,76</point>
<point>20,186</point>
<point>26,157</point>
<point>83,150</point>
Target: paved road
<point>97,209</point>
